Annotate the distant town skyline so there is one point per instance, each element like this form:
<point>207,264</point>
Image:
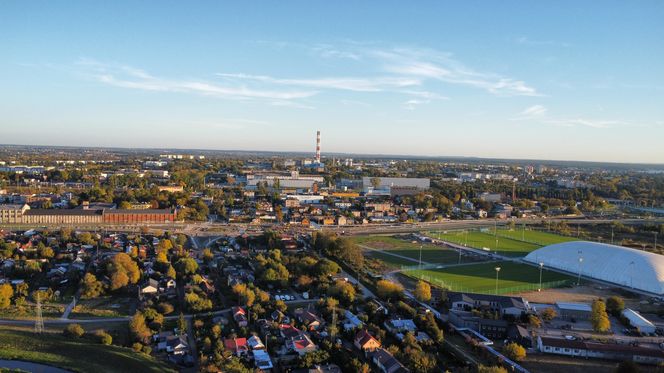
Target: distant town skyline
<point>563,81</point>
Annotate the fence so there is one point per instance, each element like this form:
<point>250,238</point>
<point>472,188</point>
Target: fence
<point>453,286</point>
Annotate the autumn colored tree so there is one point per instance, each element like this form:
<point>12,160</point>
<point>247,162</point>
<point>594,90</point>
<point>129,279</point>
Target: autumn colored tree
<point>514,351</point>
<point>598,317</point>
<point>422,291</point>
<point>6,293</point>
<point>90,287</point>
<point>138,328</point>
<point>123,271</point>
<point>388,289</point>
<point>245,295</point>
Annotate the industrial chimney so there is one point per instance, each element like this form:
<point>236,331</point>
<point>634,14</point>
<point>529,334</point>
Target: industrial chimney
<point>318,146</point>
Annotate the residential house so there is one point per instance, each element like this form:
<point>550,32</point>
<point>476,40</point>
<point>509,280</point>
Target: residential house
<point>240,316</point>
<point>309,318</point>
<point>351,321</point>
<point>262,360</point>
<point>505,305</point>
<point>177,345</point>
<point>399,327</point>
<point>386,362</point>
<point>237,346</point>
<point>366,342</point>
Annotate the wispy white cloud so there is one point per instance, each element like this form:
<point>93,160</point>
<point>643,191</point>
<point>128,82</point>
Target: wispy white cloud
<point>583,122</point>
<point>431,64</point>
<point>548,43</point>
<point>375,84</point>
<point>413,73</point>
<point>134,78</point>
<point>534,111</point>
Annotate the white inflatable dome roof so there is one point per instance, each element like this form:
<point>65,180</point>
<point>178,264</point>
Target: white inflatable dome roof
<point>616,264</point>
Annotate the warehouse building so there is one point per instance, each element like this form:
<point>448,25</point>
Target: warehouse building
<point>639,322</point>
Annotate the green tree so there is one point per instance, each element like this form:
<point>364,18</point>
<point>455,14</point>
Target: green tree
<point>514,351</point>
<point>598,316</point>
<point>186,267</point>
<point>182,324</point>
<point>342,290</point>
<point>615,305</point>
<point>313,358</point>
<point>422,291</point>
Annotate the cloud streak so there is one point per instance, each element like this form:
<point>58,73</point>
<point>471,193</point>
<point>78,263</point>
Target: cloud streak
<point>130,77</point>
<point>418,75</point>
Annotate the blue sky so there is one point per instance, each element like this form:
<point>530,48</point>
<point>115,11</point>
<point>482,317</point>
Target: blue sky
<point>544,80</point>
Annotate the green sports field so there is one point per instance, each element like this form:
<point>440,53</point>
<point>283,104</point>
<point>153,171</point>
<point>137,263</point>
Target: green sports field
<point>487,240</point>
<point>481,277</point>
<point>392,245</point>
<point>516,242</point>
<point>535,237</point>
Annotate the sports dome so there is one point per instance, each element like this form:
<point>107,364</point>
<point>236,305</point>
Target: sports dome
<point>616,264</point>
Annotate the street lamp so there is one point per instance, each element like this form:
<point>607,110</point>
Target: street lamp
<point>656,241</point>
<point>541,264</point>
<point>497,271</point>
<point>631,274</point>
<point>578,280</point>
<point>496,247</point>
<point>420,256</point>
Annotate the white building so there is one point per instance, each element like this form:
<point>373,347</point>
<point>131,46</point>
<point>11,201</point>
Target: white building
<point>638,321</point>
<point>619,265</point>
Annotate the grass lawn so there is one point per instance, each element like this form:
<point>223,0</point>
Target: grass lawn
<point>537,237</point>
<point>481,277</point>
<point>79,355</point>
<point>482,240</point>
<point>28,311</point>
<point>430,253</point>
<point>103,307</point>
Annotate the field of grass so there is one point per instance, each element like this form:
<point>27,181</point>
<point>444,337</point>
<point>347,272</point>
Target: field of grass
<point>78,355</point>
<point>28,311</point>
<point>487,240</point>
<point>537,237</point>
<point>103,307</point>
<point>409,249</point>
<point>481,277</point>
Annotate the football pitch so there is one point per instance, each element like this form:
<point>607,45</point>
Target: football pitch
<point>513,277</point>
<point>513,243</point>
<point>402,250</point>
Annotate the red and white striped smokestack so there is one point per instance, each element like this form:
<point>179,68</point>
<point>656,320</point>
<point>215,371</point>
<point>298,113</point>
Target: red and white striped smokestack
<point>318,146</point>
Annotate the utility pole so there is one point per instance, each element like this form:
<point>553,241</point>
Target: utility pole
<point>541,265</point>
<point>656,240</point>
<point>39,319</point>
<point>578,279</point>
<point>497,271</point>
